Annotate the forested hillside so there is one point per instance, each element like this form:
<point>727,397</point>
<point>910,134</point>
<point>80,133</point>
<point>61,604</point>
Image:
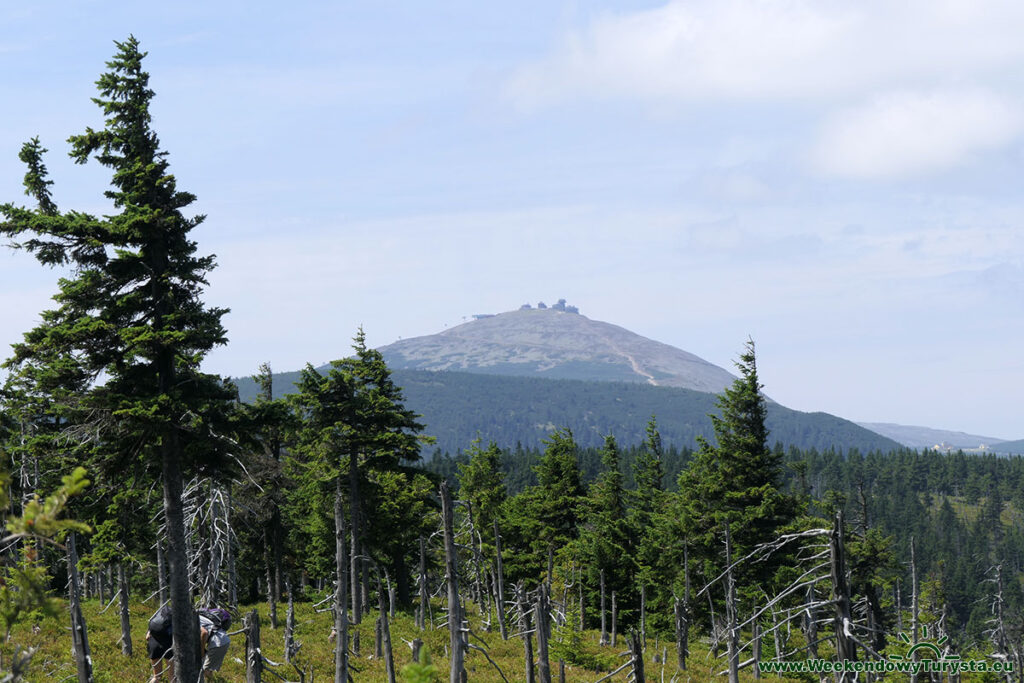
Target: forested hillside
<point>458,407</point>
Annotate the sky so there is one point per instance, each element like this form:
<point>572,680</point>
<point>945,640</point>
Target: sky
<point>839,181</point>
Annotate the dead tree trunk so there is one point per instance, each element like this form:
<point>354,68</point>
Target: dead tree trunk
<point>604,618</point>
<point>457,672</point>
<point>543,662</point>
<point>289,627</point>
<point>615,620</point>
<point>421,618</point>
<point>845,647</point>
<point>232,571</point>
<point>161,575</point>
<point>811,626</point>
<point>126,624</point>
<point>341,588</point>
<point>636,653</point>
<point>269,569</point>
<point>681,645</point>
<point>503,628</point>
<point>643,614</point>
<point>385,634</point>
<point>757,649</point>
<point>253,651</point>
<point>524,628</point>
<point>79,633</point>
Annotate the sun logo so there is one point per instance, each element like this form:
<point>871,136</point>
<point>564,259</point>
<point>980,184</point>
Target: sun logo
<point>928,647</point>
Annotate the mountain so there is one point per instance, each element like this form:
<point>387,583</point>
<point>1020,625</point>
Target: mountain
<point>926,437</point>
<point>555,343</point>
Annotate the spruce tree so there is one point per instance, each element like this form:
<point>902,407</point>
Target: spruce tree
<point>129,314</point>
<point>607,540</point>
<point>482,485</point>
<point>737,480</point>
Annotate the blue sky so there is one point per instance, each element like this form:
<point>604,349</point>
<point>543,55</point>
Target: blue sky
<point>840,181</point>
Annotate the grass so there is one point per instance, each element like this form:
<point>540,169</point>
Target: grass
<point>53,660</point>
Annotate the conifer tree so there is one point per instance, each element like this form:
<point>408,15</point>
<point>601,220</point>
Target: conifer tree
<point>482,485</point>
<point>736,480</point>
<point>546,517</point>
<point>607,537</point>
<point>130,310</point>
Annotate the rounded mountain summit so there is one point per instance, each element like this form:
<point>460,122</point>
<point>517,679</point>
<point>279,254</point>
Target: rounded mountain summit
<point>557,343</point>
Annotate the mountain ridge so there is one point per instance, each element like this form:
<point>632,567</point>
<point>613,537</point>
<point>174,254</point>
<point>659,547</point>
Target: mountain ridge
<point>556,343</point>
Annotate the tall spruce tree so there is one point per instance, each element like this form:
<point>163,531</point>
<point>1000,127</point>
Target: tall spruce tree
<point>607,540</point>
<point>130,313</point>
<point>736,480</point>
<point>482,485</point>
<point>545,518</point>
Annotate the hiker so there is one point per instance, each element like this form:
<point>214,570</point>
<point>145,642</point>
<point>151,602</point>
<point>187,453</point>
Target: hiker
<point>159,640</point>
<point>213,626</point>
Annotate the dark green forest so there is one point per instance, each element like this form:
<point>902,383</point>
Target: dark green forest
<point>641,514</point>
<point>458,407</point>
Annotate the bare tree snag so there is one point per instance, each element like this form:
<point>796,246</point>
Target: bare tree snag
<point>843,619</point>
<point>636,652</point>
<point>615,620</point>
<point>126,624</point>
<point>79,633</point>
<point>457,655</point>
<point>524,628</point>
<point>253,651</point>
<point>543,661</point>
<point>421,617</point>
<point>384,628</point>
<point>500,568</point>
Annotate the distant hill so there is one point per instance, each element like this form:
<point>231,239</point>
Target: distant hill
<point>457,407</point>
<point>925,437</point>
<point>1010,447</point>
<point>555,343</point>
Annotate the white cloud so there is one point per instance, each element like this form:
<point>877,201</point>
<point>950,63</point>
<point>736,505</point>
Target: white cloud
<point>775,49</point>
<point>908,133</point>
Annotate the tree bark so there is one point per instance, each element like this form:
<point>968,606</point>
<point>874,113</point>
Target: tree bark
<point>604,618</point>
<point>289,627</point>
<point>543,662</point>
<point>186,626</point>
<point>161,573</point>
<point>340,592</point>
<point>643,614</point>
<point>845,648</point>
<point>353,495</point>
<point>126,624</point>
<point>732,635</point>
<point>385,633</point>
<point>253,651</point>
<point>615,620</point>
<point>636,651</point>
<point>501,582</point>
<point>269,568</point>
<point>457,671</point>
<point>79,632</point>
<point>424,594</point>
<point>524,628</point>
